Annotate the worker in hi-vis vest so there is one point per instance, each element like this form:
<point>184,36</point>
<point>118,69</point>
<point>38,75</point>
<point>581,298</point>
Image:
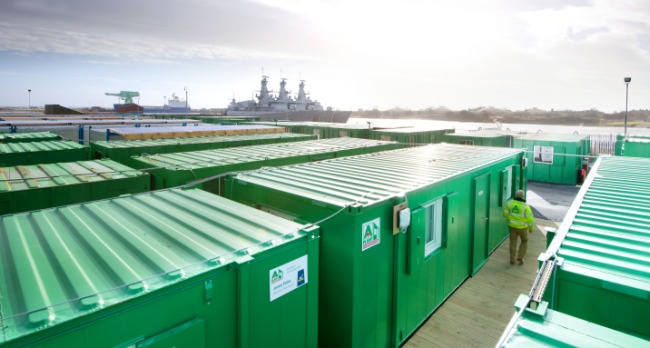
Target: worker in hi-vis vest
<point>520,223</point>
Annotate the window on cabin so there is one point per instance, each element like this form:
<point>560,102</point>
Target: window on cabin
<point>433,227</point>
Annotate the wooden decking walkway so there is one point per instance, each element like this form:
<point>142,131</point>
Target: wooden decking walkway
<point>478,312</point>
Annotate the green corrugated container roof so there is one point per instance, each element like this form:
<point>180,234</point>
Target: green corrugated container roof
<point>555,329</point>
<point>609,236</point>
<point>27,137</point>
<point>552,137</point>
<point>62,263</point>
<point>27,147</point>
<point>120,144</point>
<point>212,158</point>
<point>371,178</point>
<point>36,176</point>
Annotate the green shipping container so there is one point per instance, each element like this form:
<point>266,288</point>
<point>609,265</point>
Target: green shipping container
<point>323,130</point>
<point>14,154</point>
<point>633,146</point>
<point>177,268</point>
<point>174,169</point>
<point>603,249</point>
<point>27,137</point>
<point>548,328</point>
<point>410,136</point>
<point>400,230</point>
<point>39,186</point>
<point>121,151</point>
<point>554,158</point>
<point>479,138</point>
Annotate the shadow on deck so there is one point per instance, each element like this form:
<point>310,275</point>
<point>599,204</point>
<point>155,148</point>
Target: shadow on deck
<point>477,313</point>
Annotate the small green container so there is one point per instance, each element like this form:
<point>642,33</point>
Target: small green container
<point>174,169</point>
<point>602,249</point>
<point>39,186</point>
<point>176,268</point>
<point>122,150</point>
<point>479,138</point>
<point>14,154</point>
<point>410,136</point>
<point>400,230</point>
<point>27,137</point>
<point>554,158</point>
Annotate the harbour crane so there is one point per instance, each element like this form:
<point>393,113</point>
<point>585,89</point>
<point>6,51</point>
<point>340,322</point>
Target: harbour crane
<point>127,96</point>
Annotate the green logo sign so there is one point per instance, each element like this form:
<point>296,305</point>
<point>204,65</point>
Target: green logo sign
<point>277,276</point>
<point>370,234</point>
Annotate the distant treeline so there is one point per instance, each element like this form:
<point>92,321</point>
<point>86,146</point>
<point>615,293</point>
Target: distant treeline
<point>536,116</point>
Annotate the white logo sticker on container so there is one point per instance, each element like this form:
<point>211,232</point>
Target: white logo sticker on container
<point>370,234</point>
<point>288,277</point>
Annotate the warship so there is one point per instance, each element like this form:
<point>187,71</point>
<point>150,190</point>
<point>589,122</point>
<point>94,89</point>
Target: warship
<point>283,106</point>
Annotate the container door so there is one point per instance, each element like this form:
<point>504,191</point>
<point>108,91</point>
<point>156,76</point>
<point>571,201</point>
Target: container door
<point>481,213</point>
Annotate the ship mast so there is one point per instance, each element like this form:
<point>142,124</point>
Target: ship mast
<point>264,98</point>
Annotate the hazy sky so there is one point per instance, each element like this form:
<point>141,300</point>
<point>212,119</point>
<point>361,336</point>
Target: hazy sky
<point>517,54</point>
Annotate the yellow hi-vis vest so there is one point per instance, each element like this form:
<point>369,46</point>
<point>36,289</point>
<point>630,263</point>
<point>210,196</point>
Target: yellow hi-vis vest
<point>518,214</point>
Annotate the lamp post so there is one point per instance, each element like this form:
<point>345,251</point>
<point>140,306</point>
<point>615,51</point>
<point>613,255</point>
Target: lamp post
<point>627,81</point>
<point>29,99</point>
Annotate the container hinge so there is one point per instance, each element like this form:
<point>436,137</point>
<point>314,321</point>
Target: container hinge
<point>540,287</point>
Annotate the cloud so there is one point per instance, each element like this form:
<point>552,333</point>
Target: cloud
<point>166,29</point>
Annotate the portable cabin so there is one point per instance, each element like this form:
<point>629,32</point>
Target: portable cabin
<point>602,249</point>
<point>634,146</point>
<point>14,154</point>
<point>323,130</point>
<point>39,186</point>
<point>181,268</point>
<point>410,136</point>
<point>554,158</point>
<point>400,230</point>
<point>174,169</point>
<point>548,328</point>
<point>28,137</point>
<point>122,150</point>
<point>479,138</point>
<point>138,133</point>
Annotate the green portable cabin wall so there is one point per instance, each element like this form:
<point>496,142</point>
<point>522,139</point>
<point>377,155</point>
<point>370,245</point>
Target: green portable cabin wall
<point>410,136</point>
<point>122,151</point>
<point>323,130</point>
<point>171,170</point>
<point>554,158</point>
<point>14,154</point>
<point>40,186</point>
<point>478,138</point>
<point>633,146</point>
<point>28,137</point>
<point>603,250</point>
<point>548,328</point>
<point>377,287</point>
<point>169,268</point>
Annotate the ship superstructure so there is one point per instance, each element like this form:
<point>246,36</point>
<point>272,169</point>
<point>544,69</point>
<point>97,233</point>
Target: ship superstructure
<point>267,102</point>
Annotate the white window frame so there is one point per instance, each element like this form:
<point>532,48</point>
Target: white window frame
<point>433,227</point>
<point>508,193</point>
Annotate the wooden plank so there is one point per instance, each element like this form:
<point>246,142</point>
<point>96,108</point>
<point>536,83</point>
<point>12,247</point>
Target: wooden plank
<point>476,314</point>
